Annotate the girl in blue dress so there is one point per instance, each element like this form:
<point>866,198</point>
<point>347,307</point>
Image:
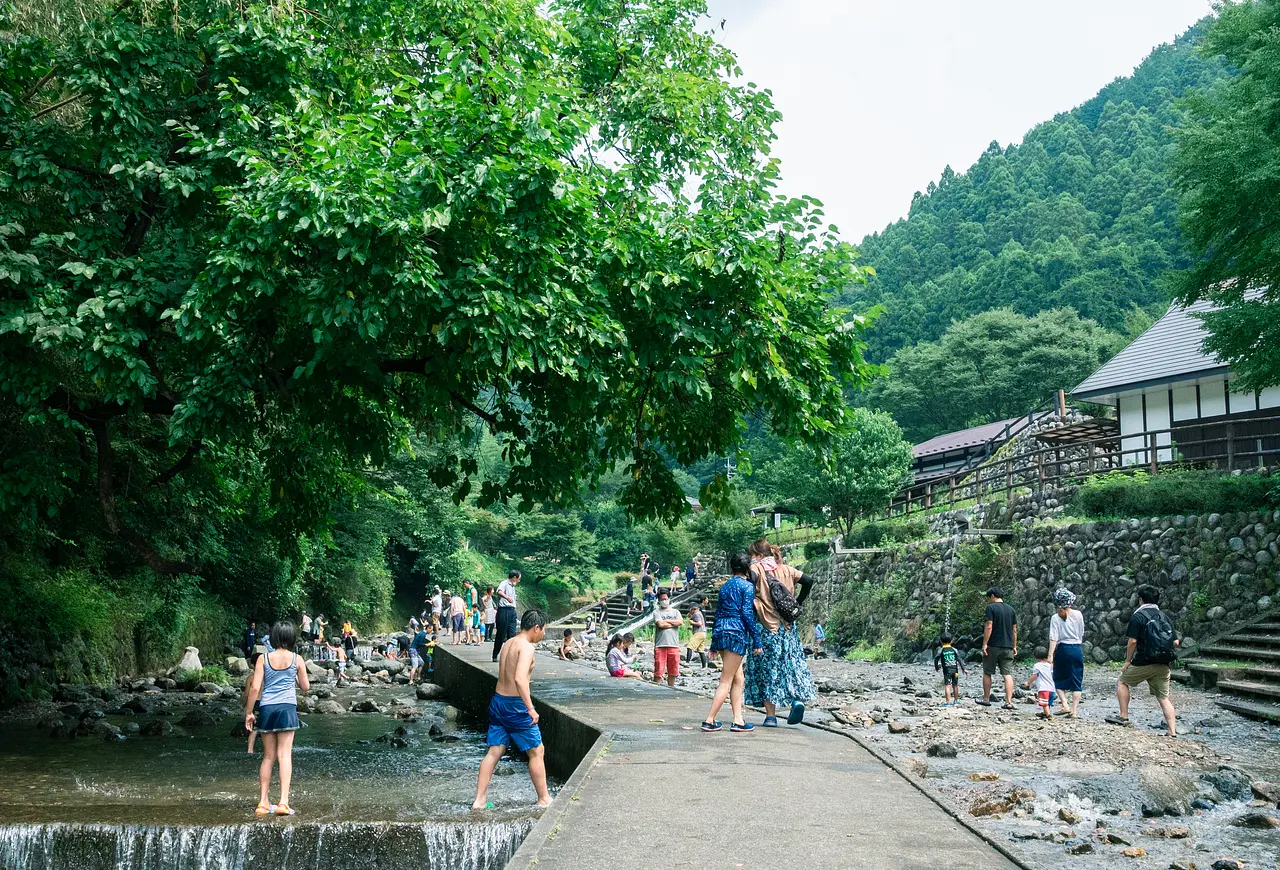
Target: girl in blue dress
<point>733,635</point>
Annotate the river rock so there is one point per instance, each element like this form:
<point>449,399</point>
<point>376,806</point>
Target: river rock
<point>322,692</point>
<point>190,661</point>
<point>1165,792</point>
<point>391,666</point>
<point>365,705</point>
<point>1134,852</point>
<point>197,719</point>
<point>315,672</point>
<point>897,726</point>
<point>1230,783</point>
<point>1070,816</point>
<point>1256,820</point>
<point>209,688</point>
<point>238,666</point>
<point>166,684</point>
<point>1079,846</point>
<point>1265,791</point>
<point>853,717</point>
<point>156,728</point>
<point>328,706</point>
<point>984,776</point>
<point>941,750</point>
<point>136,706</point>
<point>1228,864</point>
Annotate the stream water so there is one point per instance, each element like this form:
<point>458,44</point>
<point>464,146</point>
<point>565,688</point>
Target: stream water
<point>185,801</point>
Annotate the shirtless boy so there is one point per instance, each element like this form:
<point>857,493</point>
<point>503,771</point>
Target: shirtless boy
<point>512,718</point>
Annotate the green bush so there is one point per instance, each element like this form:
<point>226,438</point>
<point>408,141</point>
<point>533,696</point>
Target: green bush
<point>817,549</point>
<point>887,532</point>
<point>1139,494</point>
<point>207,674</point>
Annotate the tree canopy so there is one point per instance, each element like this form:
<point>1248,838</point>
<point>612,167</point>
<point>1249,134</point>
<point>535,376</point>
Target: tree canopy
<point>1228,173</point>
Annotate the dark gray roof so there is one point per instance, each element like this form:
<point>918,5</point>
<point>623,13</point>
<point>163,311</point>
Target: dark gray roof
<point>966,437</point>
<point>1169,351</point>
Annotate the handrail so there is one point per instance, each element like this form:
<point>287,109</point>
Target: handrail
<point>592,606</point>
<point>1159,449</point>
<point>642,619</point>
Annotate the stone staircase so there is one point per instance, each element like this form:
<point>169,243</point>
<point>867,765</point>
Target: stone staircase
<point>1244,665</point>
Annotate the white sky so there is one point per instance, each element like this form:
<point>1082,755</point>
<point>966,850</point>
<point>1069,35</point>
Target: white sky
<point>878,96</point>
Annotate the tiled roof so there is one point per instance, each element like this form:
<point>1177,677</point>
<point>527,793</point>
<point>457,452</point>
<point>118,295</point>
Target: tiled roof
<point>1170,350</point>
<point>965,438</point>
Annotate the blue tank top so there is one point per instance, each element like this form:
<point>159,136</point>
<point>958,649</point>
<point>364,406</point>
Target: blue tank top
<point>279,686</point>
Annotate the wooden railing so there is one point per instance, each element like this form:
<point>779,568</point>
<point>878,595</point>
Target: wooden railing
<point>1227,450</point>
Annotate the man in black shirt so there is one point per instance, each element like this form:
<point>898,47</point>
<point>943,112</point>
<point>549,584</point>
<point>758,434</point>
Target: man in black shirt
<point>1148,657</point>
<point>999,646</point>
<point>250,640</point>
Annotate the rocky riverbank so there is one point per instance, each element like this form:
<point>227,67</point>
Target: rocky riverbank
<point>1067,793</point>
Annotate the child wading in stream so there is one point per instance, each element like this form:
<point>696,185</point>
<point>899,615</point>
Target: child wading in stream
<point>275,681</point>
<point>512,718</point>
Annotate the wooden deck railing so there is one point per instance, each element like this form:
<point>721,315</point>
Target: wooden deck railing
<point>1227,449</point>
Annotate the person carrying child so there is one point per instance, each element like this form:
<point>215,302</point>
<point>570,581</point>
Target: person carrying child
<point>512,718</point>
<point>949,662</point>
<point>617,656</point>
<point>274,688</point>
<point>1042,680</point>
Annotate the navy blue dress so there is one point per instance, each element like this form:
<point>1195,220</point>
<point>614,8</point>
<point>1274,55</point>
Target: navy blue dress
<point>735,627</point>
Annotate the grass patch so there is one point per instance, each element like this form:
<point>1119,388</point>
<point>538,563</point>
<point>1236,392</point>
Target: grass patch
<point>207,674</point>
<point>1121,494</point>
<point>876,653</point>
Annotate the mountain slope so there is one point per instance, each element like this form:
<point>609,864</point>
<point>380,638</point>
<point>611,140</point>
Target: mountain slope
<point>1080,214</point>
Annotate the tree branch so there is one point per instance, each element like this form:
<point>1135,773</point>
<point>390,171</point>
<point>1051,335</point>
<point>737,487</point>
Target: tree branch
<point>178,467</point>
<point>58,105</point>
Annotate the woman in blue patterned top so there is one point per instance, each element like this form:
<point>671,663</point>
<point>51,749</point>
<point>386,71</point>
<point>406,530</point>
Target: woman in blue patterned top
<point>733,635</point>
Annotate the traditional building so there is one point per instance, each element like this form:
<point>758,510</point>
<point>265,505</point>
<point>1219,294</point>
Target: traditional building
<point>1176,402</point>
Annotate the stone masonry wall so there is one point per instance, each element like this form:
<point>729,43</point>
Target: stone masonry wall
<point>1213,571</point>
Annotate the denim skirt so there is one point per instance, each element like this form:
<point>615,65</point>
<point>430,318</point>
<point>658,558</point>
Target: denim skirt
<point>278,717</point>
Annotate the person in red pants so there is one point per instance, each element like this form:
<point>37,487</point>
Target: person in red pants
<point>666,644</point>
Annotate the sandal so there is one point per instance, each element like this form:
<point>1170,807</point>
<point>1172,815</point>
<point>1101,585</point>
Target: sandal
<point>770,722</point>
<point>746,726</point>
<point>711,726</point>
<point>797,714</point>
<point>284,810</point>
<point>1006,706</point>
<point>265,810</point>
<point>983,703</point>
<point>1122,721</point>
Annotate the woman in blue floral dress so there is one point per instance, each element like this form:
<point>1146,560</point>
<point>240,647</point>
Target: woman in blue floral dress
<point>779,675</point>
<point>733,636</point>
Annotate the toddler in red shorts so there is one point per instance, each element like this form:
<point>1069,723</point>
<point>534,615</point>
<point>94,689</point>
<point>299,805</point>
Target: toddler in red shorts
<point>1042,680</point>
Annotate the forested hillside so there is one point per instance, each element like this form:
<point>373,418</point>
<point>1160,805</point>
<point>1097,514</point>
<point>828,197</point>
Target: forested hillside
<point>1081,214</point>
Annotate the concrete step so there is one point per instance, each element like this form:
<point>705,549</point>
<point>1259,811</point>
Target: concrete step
<point>1264,674</point>
<point>1237,652</point>
<point>1252,638</point>
<point>1263,712</point>
<point>1250,687</point>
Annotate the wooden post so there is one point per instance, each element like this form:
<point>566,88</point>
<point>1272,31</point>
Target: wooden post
<point>1057,462</point>
<point>1039,471</point>
<point>928,495</point>
<point>1008,476</point>
<point>951,493</point>
<point>1062,403</point>
<point>1231,446</point>
<point>1151,442</point>
<point>1092,449</point>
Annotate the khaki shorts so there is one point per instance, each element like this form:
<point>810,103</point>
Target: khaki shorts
<point>999,658</point>
<point>698,643</point>
<point>1155,676</point>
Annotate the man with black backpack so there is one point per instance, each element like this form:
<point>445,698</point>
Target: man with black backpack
<point>1148,657</point>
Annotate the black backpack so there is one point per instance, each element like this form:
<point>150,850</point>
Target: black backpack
<point>783,601</point>
<point>1156,644</point>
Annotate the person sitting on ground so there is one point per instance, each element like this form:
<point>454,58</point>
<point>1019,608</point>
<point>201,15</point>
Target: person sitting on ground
<point>999,646</point>
<point>570,649</point>
<point>1148,658</point>
<point>617,656</point>
<point>951,664</point>
<point>698,641</point>
<point>274,685</point>
<point>512,717</point>
<point>589,631</point>
<point>1041,681</point>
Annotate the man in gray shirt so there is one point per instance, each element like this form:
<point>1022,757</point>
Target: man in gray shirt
<point>666,643</point>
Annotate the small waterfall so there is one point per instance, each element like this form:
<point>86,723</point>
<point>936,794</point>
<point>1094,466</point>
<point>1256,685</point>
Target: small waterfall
<point>329,846</point>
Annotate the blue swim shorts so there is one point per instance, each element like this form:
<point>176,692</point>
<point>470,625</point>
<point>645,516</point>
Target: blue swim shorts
<point>510,722</point>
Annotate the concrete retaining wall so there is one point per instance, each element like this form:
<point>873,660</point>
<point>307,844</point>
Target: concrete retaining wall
<point>567,738</point>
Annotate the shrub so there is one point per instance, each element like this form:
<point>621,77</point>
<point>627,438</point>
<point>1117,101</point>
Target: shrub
<point>817,549</point>
<point>207,674</point>
<point>1139,494</point>
<point>889,531</point>
<point>877,653</point>
<point>620,578</point>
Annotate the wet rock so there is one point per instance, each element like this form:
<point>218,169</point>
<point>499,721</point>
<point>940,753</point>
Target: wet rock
<point>436,729</point>
<point>836,687</point>
<point>1265,791</point>
<point>1113,839</point>
<point>1079,846</point>
<point>998,803</point>
<point>1256,820</point>
<point>238,731</point>
<point>1228,864</point>
<point>322,692</point>
<point>190,660</point>
<point>984,776</point>
<point>1070,816</point>
<point>897,726</point>
<point>1165,792</point>
<point>137,706</point>
<point>365,705</point>
<point>166,684</point>
<point>329,706</point>
<point>156,728</point>
<point>49,722</point>
<point>209,688</point>
<point>1134,852</point>
<point>1230,783</point>
<point>198,719</point>
<point>71,711</point>
<point>1179,864</point>
<point>100,729</point>
<point>237,666</point>
<point>429,691</point>
<point>1169,832</point>
<point>1202,803</point>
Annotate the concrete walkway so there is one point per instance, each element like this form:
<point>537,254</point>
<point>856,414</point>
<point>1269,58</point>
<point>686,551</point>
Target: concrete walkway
<point>665,795</point>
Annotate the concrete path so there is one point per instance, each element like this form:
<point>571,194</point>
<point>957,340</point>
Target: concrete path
<point>665,795</point>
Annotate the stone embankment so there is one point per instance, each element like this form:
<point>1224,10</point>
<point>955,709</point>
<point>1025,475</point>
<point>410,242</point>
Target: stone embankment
<point>1213,571</point>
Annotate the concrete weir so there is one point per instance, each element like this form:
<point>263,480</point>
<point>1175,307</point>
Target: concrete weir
<point>647,790</point>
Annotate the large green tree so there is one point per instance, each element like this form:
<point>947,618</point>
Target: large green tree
<point>244,246</point>
<point>858,476</point>
<point>1228,174</point>
<point>992,366</point>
